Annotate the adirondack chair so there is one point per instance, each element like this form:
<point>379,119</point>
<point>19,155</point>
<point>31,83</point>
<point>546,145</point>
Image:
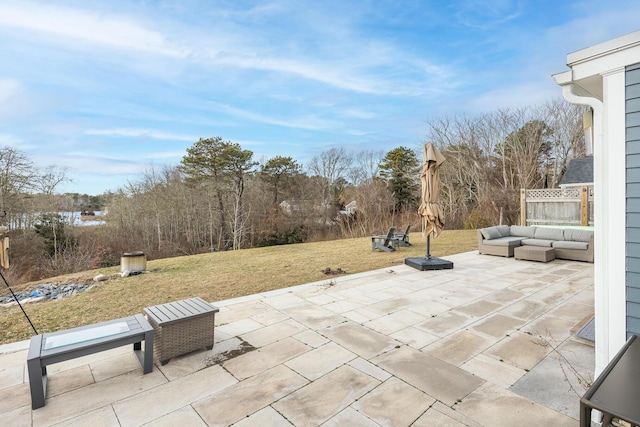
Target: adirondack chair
<point>403,238</point>
<point>387,243</point>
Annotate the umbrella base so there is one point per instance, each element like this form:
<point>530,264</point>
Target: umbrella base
<point>432,263</point>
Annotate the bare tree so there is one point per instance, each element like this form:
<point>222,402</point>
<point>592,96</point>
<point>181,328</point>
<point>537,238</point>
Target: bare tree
<point>492,156</point>
<point>50,179</point>
<point>567,139</point>
<point>366,167</point>
<point>331,164</point>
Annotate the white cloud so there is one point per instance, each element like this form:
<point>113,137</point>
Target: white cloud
<point>515,96</point>
<point>163,155</point>
<point>354,62</point>
<point>86,26</point>
<point>309,122</point>
<point>9,140</point>
<point>9,88</point>
<point>136,133</point>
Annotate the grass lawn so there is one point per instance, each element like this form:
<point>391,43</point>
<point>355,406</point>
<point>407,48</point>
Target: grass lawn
<point>214,277</point>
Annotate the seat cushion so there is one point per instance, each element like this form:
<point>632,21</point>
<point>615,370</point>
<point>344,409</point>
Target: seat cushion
<point>567,244</point>
<point>490,233</point>
<point>504,241</point>
<point>538,242</point>
<point>521,231</point>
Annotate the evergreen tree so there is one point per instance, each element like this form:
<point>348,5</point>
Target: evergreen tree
<point>400,169</point>
<point>51,228</point>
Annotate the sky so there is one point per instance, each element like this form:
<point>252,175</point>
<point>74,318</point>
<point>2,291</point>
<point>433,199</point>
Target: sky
<point>110,89</point>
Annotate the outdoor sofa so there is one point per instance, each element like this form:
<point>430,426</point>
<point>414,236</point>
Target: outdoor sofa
<point>571,244</point>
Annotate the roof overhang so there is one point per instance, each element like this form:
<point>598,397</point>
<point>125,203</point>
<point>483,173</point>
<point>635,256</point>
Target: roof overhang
<point>587,66</point>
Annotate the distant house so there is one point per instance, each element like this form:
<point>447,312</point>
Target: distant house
<point>288,207</point>
<point>350,208</point>
<point>579,173</point>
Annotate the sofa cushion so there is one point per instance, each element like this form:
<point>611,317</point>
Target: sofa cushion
<point>490,233</point>
<point>549,233</point>
<point>504,230</point>
<point>538,242</point>
<point>577,235</point>
<point>566,244</point>
<point>504,241</point>
<point>522,231</point>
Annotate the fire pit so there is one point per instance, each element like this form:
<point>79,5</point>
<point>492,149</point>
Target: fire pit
<point>133,262</point>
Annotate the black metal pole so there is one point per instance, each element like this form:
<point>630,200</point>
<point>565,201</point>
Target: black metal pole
<point>428,255</point>
<point>16,299</point>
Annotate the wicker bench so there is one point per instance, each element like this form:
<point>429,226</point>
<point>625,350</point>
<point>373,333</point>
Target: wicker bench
<point>54,347</point>
<point>181,327</point>
<point>534,253</point>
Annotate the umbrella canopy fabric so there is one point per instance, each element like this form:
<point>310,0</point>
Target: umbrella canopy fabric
<point>432,216</point>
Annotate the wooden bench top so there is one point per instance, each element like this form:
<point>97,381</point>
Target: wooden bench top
<point>164,314</point>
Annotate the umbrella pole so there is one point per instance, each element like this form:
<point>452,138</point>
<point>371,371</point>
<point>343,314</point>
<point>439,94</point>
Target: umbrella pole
<point>15,298</point>
<point>428,255</point>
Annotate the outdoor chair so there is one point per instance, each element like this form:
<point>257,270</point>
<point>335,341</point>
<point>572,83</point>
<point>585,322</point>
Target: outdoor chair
<point>387,243</point>
<point>403,238</point>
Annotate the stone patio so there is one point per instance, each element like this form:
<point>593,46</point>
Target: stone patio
<point>489,343</point>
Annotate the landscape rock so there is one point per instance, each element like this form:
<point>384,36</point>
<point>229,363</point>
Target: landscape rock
<point>100,278</point>
<point>44,292</point>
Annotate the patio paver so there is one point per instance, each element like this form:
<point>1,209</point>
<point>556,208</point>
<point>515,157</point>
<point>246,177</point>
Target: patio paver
<point>324,398</point>
<point>394,403</point>
<point>489,343</point>
<point>439,379</point>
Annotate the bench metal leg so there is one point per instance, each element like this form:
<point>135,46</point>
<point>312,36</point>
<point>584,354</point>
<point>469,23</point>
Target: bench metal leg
<point>148,352</point>
<point>37,373</point>
<point>145,357</point>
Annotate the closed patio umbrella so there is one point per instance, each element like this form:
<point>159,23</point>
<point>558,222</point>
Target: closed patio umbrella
<point>429,210</point>
<point>432,217</point>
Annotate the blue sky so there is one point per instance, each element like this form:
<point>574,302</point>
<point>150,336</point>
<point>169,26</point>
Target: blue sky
<point>108,88</point>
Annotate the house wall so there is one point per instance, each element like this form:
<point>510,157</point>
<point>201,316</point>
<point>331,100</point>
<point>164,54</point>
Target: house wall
<point>597,77</point>
<point>632,125</point>
<point>610,219</point>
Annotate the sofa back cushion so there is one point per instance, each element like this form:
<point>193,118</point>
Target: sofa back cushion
<point>490,233</point>
<point>504,230</point>
<point>549,233</point>
<point>522,231</point>
<point>578,235</point>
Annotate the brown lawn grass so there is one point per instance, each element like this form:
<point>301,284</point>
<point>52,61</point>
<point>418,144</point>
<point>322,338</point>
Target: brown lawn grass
<point>214,277</point>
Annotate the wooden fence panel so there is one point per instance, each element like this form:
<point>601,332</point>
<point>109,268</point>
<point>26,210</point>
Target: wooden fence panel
<point>557,206</point>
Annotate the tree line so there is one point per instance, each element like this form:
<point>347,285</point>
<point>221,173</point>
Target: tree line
<point>219,197</point>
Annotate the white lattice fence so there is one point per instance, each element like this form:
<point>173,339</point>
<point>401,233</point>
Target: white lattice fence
<point>557,206</point>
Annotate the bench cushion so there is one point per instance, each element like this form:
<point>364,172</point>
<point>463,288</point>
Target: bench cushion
<point>522,231</point>
<point>538,242</point>
<point>566,244</point>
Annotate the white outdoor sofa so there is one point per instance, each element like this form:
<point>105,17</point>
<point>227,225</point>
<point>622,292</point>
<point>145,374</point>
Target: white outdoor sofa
<point>571,244</point>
